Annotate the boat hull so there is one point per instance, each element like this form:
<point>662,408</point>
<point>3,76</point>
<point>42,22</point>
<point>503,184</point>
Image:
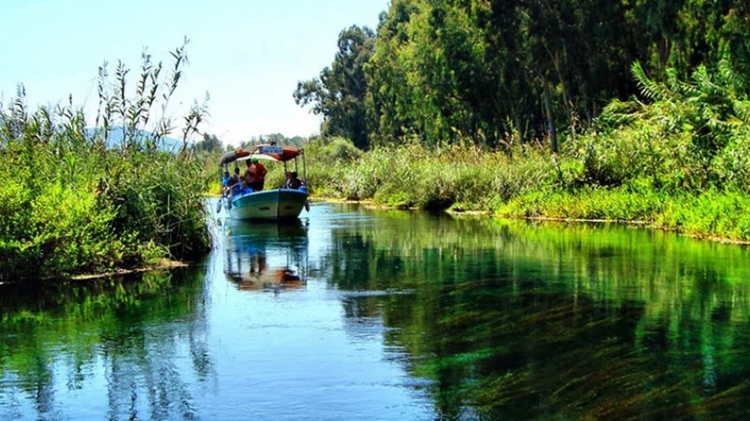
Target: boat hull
<point>268,205</point>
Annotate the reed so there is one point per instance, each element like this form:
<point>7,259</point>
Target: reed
<point>411,175</point>
<point>590,183</point>
<point>73,202</point>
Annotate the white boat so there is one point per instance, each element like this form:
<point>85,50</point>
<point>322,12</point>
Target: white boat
<point>243,203</point>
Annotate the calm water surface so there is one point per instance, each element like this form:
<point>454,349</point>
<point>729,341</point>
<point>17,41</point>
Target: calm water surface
<point>391,315</point>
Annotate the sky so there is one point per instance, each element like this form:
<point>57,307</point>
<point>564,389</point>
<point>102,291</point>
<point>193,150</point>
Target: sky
<point>248,55</point>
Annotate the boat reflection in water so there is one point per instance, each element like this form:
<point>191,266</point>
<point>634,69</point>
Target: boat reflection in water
<point>267,256</point>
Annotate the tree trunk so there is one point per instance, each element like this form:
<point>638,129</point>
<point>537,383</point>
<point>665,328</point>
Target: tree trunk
<point>550,120</point>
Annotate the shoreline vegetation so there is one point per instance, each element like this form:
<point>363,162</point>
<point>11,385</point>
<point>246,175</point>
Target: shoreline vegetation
<point>522,111</point>
<point>542,219</point>
<point>508,111</point>
<point>531,183</point>
<point>79,200</point>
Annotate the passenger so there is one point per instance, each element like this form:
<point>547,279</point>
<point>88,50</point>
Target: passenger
<point>292,181</point>
<point>236,176</point>
<point>260,175</point>
<point>231,181</point>
<point>225,178</point>
<point>248,180</point>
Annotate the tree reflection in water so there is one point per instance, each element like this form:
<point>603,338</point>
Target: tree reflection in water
<point>448,318</point>
<point>514,321</point>
<point>144,336</point>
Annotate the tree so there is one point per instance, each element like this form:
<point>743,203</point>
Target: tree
<point>500,71</point>
<point>210,144</point>
<point>338,94</point>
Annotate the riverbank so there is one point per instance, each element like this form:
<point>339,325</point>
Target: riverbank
<point>162,264</point>
<point>369,204</point>
<point>678,159</point>
<point>527,184</point>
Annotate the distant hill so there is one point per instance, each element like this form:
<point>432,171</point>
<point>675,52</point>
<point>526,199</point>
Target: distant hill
<point>115,138</point>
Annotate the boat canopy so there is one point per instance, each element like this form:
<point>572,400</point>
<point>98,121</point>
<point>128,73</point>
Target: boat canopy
<point>233,156</point>
<point>264,151</point>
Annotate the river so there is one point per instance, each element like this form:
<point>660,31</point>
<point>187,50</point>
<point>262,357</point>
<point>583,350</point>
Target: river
<point>358,314</point>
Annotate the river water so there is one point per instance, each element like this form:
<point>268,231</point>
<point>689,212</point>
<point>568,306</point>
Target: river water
<point>355,314</point>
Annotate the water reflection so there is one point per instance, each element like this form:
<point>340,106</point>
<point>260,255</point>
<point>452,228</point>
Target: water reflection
<point>266,255</point>
<point>517,321</point>
<point>402,316</point>
<point>123,346</point>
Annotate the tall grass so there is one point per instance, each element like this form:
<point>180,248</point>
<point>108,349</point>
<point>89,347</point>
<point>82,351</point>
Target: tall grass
<point>411,175</point>
<point>70,202</point>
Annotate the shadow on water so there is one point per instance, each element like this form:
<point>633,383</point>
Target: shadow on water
<point>268,256</point>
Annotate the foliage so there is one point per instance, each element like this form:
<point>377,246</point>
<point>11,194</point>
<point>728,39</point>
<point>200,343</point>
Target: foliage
<point>447,71</point>
<point>70,204</point>
<point>691,137</point>
<point>160,201</point>
<point>339,93</point>
<point>209,144</point>
<point>679,162</point>
<point>337,149</point>
<point>413,175</point>
<point>709,214</point>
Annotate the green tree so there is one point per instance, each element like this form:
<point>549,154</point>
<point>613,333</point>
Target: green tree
<point>210,144</point>
<point>338,94</point>
<point>503,71</point>
<point>389,94</point>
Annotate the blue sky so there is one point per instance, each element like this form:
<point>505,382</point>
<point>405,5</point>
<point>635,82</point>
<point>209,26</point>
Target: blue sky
<point>248,55</point>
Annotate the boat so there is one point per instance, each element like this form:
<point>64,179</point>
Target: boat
<point>244,203</point>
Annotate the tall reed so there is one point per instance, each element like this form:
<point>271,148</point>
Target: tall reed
<point>76,199</point>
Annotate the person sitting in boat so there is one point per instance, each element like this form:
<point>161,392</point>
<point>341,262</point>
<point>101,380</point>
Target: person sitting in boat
<point>295,183</point>
<point>231,181</point>
<point>248,179</point>
<point>225,180</point>
<point>292,180</point>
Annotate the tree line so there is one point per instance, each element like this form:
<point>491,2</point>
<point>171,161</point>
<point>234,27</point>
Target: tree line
<point>513,71</point>
<point>210,143</point>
